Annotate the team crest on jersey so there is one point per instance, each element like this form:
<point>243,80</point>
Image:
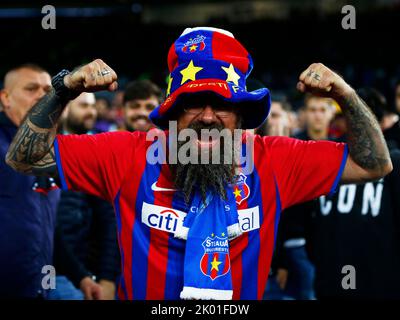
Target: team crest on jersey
<point>241,190</point>
<point>194,45</point>
<point>215,261</point>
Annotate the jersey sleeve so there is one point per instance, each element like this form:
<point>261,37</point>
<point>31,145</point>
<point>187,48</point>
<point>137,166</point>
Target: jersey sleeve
<point>305,170</point>
<point>94,164</point>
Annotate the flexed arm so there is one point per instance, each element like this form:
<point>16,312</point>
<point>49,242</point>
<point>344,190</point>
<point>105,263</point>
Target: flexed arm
<point>368,153</point>
<point>31,151</point>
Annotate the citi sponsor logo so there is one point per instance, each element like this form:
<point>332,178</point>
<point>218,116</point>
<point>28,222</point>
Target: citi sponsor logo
<point>162,218</point>
<point>170,220</point>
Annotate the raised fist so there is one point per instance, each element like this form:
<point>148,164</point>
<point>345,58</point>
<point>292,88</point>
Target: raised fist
<point>95,76</point>
<point>322,81</point>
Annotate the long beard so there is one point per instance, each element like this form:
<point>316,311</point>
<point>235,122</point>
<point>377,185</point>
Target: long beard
<point>204,177</point>
<point>77,127</point>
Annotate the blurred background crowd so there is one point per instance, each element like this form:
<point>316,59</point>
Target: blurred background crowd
<point>317,243</point>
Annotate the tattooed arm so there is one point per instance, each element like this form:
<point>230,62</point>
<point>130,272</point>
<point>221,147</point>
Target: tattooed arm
<point>32,151</point>
<point>369,156</point>
<point>368,153</point>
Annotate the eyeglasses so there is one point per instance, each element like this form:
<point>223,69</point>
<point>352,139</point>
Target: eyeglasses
<point>221,112</point>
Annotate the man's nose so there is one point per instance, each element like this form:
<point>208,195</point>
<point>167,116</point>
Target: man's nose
<point>93,112</point>
<point>143,111</point>
<point>208,115</point>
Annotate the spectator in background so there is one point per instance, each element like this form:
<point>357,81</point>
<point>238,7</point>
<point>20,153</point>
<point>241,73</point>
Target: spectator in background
<point>140,98</point>
<point>318,114</point>
<point>105,122</point>
<point>301,121</point>
<point>87,225</point>
<point>359,228</point>
<point>278,122</point>
<point>295,122</point>
<point>27,203</point>
<point>294,277</point>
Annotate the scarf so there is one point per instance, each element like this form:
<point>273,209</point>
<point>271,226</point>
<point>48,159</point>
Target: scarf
<point>207,229</point>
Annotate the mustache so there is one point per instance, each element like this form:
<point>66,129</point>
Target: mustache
<point>89,117</point>
<point>198,126</point>
<point>139,117</point>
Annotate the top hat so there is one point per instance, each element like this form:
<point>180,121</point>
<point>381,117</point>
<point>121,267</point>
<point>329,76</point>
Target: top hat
<point>211,60</point>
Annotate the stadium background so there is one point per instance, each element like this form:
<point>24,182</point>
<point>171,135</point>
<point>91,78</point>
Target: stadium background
<point>282,36</point>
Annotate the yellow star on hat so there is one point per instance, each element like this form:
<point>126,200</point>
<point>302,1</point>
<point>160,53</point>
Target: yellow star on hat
<point>189,73</point>
<point>232,75</point>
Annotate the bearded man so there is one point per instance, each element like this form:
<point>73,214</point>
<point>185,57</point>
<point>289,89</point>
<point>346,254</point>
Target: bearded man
<point>193,232</point>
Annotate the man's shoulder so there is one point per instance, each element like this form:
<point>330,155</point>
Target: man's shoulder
<point>274,141</point>
<point>111,136</point>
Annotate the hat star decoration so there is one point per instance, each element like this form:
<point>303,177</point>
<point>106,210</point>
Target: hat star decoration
<point>232,75</point>
<point>189,73</point>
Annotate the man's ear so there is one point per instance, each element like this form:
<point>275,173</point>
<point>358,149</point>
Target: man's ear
<point>4,101</point>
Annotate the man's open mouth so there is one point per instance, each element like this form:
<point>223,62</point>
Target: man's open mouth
<point>207,143</point>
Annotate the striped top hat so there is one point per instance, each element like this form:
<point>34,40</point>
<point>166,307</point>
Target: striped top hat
<point>207,59</point>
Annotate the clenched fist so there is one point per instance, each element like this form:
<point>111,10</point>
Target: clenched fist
<point>322,81</point>
<point>95,76</point>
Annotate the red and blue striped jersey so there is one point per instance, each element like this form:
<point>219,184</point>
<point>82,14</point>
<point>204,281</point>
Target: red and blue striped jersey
<point>148,209</point>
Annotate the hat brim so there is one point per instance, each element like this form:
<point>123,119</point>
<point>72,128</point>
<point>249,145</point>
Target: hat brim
<point>253,106</point>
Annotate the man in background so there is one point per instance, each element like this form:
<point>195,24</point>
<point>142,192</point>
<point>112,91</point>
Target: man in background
<point>27,203</point>
<point>140,98</point>
<point>278,122</point>
<point>105,121</point>
<point>87,226</point>
<point>294,278</point>
<point>318,113</point>
<point>355,241</point>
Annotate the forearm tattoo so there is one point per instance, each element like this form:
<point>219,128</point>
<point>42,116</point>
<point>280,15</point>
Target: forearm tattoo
<point>31,150</point>
<point>366,143</point>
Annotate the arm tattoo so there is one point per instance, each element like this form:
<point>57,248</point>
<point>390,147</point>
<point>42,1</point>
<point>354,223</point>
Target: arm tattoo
<point>31,150</point>
<point>367,146</point>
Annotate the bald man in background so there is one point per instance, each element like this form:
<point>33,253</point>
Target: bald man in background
<point>27,203</point>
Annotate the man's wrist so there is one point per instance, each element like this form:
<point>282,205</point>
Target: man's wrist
<point>343,95</point>
<point>61,89</point>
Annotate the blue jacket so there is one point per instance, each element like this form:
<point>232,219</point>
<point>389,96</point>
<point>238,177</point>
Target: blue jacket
<point>27,221</point>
